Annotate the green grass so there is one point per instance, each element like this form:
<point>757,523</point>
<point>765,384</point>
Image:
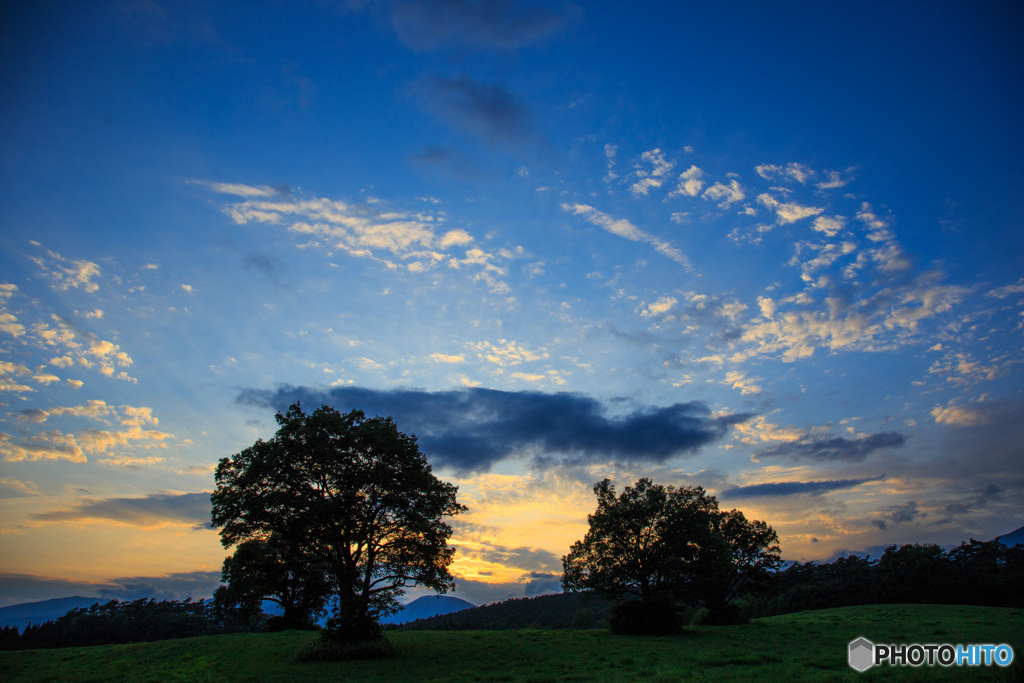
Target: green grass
<point>808,646</point>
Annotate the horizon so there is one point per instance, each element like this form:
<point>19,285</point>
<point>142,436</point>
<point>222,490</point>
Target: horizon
<point>416,593</point>
<point>772,251</point>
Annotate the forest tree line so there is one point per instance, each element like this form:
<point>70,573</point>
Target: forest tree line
<point>974,573</point>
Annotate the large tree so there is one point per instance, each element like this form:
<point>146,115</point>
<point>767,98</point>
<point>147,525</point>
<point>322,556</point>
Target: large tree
<point>668,545</point>
<point>348,491</point>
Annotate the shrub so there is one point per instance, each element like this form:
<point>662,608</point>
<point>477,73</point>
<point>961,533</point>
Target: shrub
<point>636,618</point>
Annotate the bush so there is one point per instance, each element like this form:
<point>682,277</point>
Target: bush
<point>363,629</point>
<point>636,618</point>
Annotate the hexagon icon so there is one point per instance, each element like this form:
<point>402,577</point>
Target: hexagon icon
<point>862,654</point>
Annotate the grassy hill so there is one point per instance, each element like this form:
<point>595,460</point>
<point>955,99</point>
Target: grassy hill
<point>805,646</point>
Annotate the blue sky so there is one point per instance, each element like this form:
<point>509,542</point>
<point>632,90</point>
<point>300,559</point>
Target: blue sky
<point>772,250</point>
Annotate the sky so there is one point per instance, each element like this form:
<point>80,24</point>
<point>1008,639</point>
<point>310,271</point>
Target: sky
<point>770,249</point>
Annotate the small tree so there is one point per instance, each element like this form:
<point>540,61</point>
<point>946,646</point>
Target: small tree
<point>669,545</point>
<point>273,570</point>
<point>736,562</point>
<point>350,492</point>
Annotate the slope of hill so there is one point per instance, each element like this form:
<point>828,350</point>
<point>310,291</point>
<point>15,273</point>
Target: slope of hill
<point>428,606</point>
<point>40,612</point>
<point>560,611</point>
<point>1012,538</point>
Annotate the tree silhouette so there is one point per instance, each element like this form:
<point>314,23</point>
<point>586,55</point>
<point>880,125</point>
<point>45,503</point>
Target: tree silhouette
<point>273,570</point>
<point>669,545</point>
<point>351,492</point>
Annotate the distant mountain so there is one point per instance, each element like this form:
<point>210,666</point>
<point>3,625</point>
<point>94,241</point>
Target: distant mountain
<point>1011,539</point>
<point>23,614</point>
<point>428,606</point>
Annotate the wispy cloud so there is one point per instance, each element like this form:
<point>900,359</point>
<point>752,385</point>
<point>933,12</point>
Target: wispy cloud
<point>624,228</point>
<point>792,171</point>
<point>67,273</point>
<point>417,238</point>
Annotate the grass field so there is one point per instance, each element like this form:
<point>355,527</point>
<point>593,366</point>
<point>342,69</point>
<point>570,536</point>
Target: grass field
<point>795,647</point>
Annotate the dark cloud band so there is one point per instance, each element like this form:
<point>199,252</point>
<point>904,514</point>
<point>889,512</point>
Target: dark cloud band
<point>476,25</point>
<point>471,429</point>
<point>149,510</point>
<point>793,488</point>
<point>837,448</point>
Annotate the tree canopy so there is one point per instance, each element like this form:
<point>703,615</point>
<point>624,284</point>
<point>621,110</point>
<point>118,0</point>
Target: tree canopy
<point>669,545</point>
<point>347,491</point>
<point>273,570</point>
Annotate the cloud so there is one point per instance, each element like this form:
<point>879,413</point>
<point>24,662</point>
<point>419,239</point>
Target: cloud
<point>115,446</point>
<point>836,448</point>
<point>1007,290</point>
<point>793,488</point>
<point>739,380</point>
<point>502,24</point>
<point>48,445</point>
<point>8,372</point>
<point>525,558</point>
<point>68,273</point>
<point>266,264</point>
<point>659,307</point>
<point>241,190</point>
<point>446,158</point>
<point>94,409</point>
<point>835,180</point>
<point>67,345</point>
<point>725,195</point>
<point>374,231</point>
<point>829,225</point>
<point>506,353</point>
<point>788,212</point>
<point>624,228</point>
<point>456,238</point>
<point>863,318</point>
<point>793,171</point>
<point>485,110</point>
<point>154,510</point>
<point>445,358</point>
<point>540,583</point>
<point>653,178</point>
<point>14,488</point>
<point>690,183</point>
<point>899,514</point>
<point>19,588</point>
<point>961,416</point>
<point>472,429</point>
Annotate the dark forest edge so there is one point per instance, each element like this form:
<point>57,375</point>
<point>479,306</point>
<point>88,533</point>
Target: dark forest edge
<point>983,573</point>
